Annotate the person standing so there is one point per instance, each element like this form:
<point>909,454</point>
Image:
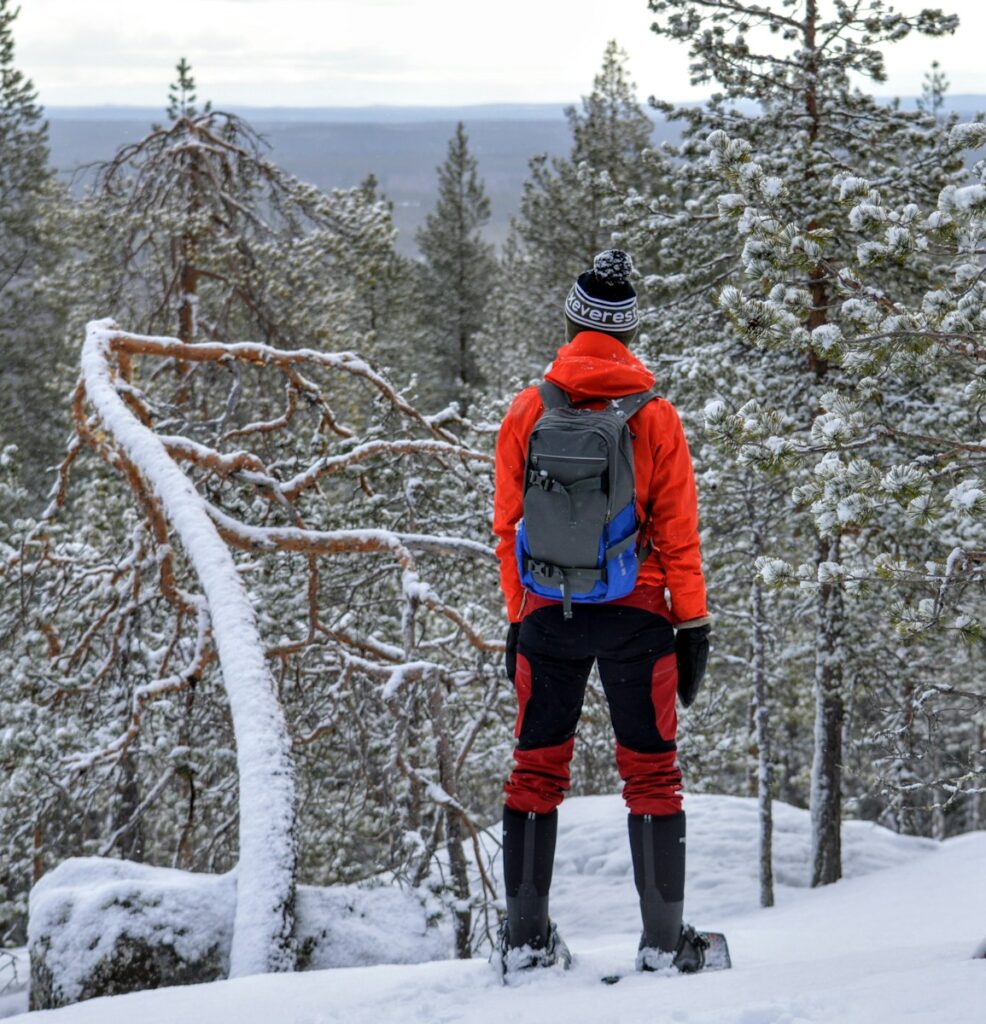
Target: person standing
<point>650,644</point>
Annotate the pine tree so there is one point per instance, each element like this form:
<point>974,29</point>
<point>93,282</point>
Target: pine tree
<point>459,267</point>
<point>795,63</point>
<point>907,473</point>
<point>565,217</point>
<point>30,334</point>
<point>194,232</point>
<point>933,91</point>
<point>181,94</point>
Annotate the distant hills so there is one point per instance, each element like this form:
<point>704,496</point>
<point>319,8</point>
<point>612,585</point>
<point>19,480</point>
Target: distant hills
<point>337,147</point>
<point>336,115</point>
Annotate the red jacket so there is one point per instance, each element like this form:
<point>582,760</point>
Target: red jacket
<point>595,365</point>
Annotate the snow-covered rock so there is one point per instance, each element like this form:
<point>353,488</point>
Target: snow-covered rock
<point>103,927</point>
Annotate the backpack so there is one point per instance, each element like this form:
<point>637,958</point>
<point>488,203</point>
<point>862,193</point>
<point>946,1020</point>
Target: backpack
<point>577,540</point>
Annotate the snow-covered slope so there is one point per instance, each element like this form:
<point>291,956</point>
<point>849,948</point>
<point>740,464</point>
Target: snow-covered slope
<point>890,943</point>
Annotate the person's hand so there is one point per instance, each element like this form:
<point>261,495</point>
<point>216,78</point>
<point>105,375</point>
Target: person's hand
<point>510,656</point>
<point>691,646</point>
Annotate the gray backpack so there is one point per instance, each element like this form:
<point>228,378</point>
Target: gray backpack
<point>578,538</point>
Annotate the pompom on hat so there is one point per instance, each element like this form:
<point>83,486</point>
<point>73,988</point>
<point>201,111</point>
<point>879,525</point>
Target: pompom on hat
<point>602,299</point>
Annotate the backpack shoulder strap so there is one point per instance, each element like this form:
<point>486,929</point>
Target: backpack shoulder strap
<point>553,396</point>
<point>630,404</point>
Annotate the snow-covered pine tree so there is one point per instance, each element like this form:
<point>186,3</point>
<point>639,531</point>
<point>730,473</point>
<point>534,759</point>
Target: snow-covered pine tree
<point>458,273</point>
<point>391,296</point>
<point>564,220</point>
<point>896,450</point>
<point>191,230</point>
<point>30,332</point>
<point>796,62</point>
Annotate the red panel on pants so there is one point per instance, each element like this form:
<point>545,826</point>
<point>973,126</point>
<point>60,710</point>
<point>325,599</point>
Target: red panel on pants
<point>652,782</point>
<point>540,778</point>
<point>522,683</point>
<point>663,693</point>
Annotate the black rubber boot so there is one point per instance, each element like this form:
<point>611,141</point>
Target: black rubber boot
<point>657,846</point>
<point>528,859</point>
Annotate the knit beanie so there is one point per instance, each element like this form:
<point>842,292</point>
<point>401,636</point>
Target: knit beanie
<point>602,299</point>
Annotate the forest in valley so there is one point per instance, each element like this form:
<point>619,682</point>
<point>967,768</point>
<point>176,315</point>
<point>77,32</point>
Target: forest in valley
<point>249,608</point>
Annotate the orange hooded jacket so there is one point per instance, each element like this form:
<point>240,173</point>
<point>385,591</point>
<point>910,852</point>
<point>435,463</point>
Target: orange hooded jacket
<point>595,365</point>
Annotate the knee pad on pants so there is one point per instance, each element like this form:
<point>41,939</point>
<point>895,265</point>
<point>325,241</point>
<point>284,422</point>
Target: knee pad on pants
<point>652,782</point>
<point>540,778</point>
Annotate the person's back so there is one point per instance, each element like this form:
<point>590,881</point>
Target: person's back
<point>552,646</point>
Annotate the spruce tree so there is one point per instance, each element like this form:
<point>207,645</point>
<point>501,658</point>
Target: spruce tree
<point>459,266</point>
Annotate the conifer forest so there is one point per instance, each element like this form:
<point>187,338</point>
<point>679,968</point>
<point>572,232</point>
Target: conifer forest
<point>251,626</point>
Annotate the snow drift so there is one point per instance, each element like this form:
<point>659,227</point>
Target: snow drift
<point>892,941</point>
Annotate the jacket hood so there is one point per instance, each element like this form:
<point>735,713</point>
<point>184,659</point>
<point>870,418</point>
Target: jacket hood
<point>594,365</point>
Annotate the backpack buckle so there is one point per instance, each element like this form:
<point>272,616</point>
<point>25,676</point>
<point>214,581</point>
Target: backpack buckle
<point>542,569</point>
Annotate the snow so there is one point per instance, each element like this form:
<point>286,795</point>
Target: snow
<point>772,188</point>
<point>893,941</point>
<point>965,496</point>
<point>731,203</point>
<point>826,338</point>
<point>851,187</point>
<point>970,199</point>
<point>14,972</point>
<point>612,266</point>
<point>357,926</point>
<point>968,136</point>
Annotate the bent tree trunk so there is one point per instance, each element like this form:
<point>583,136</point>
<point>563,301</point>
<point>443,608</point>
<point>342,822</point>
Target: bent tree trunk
<point>826,769</point>
<point>265,873</point>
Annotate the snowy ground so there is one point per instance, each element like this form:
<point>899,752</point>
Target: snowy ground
<point>890,943</point>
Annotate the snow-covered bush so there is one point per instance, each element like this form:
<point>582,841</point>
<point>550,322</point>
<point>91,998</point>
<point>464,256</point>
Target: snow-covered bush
<point>101,927</point>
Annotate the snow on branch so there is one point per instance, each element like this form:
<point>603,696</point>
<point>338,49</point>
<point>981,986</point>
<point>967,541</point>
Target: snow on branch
<point>285,360</point>
<point>319,542</point>
<point>266,874</point>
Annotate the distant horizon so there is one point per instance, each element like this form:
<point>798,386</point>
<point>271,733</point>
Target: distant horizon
<point>950,97</point>
<point>967,103</point>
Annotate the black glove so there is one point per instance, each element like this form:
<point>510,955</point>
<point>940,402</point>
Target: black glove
<point>510,656</point>
<point>692,649</point>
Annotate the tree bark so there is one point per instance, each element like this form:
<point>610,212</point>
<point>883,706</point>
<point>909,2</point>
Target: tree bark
<point>131,841</point>
<point>454,831</point>
<point>826,769</point>
<point>765,768</point>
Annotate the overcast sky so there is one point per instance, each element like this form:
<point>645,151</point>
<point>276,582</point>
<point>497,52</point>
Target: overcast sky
<point>406,52</point>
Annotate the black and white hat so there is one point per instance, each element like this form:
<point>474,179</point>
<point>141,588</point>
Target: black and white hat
<point>602,299</point>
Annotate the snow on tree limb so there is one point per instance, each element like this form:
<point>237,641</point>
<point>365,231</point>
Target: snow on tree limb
<point>259,353</point>
<point>266,871</point>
